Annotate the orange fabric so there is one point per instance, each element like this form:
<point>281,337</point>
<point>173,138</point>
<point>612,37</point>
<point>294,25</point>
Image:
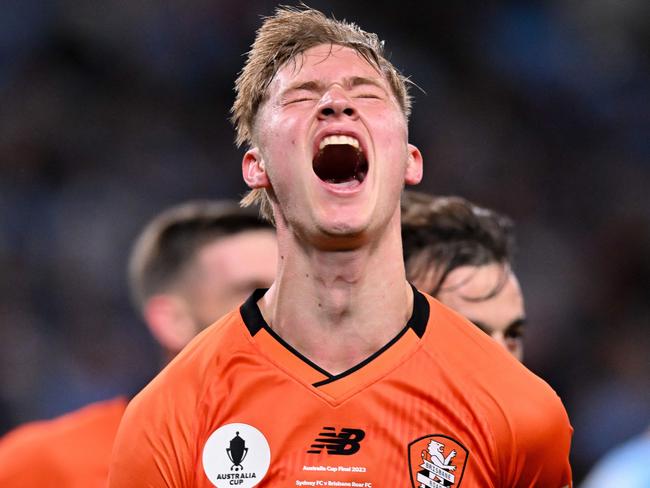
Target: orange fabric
<point>71,451</point>
<point>442,404</point>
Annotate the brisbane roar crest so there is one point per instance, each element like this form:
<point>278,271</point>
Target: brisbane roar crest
<point>437,461</point>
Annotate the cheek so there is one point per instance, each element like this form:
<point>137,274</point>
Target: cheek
<point>389,122</point>
<point>281,138</point>
<point>271,127</point>
<point>392,140</point>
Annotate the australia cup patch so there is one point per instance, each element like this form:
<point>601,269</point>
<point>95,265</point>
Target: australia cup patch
<point>437,461</point>
<point>236,455</point>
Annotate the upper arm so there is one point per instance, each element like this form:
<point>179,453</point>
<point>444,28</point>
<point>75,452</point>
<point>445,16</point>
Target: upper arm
<point>19,454</point>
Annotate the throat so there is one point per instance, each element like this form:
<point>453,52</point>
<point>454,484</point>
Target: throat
<point>341,355</point>
<point>337,308</point>
<point>340,326</point>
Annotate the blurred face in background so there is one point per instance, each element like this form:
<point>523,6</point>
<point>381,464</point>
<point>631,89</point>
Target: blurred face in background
<point>226,271</point>
<point>491,298</point>
<point>220,276</point>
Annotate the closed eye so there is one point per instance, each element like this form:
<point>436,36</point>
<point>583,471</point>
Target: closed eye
<point>298,100</point>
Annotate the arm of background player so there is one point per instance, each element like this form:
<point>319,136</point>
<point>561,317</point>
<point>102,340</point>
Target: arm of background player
<point>20,453</point>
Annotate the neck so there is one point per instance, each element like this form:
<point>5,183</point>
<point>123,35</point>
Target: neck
<point>346,306</point>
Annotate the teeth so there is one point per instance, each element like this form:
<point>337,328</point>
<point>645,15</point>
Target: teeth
<point>339,140</point>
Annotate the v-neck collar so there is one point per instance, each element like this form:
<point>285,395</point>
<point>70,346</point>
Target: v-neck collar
<point>335,388</point>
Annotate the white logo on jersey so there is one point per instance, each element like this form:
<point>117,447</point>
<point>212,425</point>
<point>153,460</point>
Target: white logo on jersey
<point>236,455</point>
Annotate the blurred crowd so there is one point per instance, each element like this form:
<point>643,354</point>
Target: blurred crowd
<point>111,111</point>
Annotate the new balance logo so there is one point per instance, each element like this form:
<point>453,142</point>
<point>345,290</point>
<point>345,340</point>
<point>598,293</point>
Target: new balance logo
<point>345,443</point>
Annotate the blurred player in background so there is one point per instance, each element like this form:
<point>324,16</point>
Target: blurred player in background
<point>341,373</point>
<point>627,464</point>
<point>462,255</point>
<point>190,265</point>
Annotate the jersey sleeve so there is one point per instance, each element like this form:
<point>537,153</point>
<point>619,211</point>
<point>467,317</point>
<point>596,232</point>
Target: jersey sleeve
<point>20,452</point>
<point>153,446</point>
<point>541,441</point>
<point>72,450</point>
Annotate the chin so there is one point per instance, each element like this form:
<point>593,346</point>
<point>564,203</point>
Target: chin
<point>342,236</point>
<point>344,230</point>
<point>342,221</point>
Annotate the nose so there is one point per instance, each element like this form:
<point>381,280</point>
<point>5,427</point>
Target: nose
<point>335,103</point>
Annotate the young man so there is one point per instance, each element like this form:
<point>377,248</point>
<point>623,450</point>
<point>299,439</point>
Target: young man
<point>190,265</point>
<point>461,254</point>
<point>340,374</point>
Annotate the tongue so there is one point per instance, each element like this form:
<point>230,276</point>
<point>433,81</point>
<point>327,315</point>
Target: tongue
<point>337,163</point>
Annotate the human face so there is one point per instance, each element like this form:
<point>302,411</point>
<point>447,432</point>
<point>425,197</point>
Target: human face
<point>500,316</point>
<point>331,145</point>
<point>226,271</point>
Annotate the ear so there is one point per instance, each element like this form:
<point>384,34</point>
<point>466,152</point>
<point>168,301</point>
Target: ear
<point>169,321</point>
<point>254,169</point>
<point>414,166</point>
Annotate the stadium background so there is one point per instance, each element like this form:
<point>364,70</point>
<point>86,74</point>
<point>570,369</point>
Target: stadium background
<point>112,110</point>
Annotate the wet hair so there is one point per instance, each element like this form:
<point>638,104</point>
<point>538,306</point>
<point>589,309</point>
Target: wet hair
<point>442,233</point>
<point>169,243</point>
<point>282,37</point>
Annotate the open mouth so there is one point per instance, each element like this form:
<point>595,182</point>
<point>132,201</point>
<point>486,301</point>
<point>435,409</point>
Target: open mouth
<point>340,160</point>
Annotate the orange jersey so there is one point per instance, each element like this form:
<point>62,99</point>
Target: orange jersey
<point>441,405</point>
<point>71,451</point>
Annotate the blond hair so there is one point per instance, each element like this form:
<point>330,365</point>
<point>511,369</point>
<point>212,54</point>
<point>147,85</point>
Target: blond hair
<point>283,36</point>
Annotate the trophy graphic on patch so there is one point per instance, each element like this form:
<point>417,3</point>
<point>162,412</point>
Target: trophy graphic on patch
<point>237,452</point>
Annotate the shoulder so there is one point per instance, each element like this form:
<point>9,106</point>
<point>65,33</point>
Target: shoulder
<point>527,420</point>
<point>96,418</point>
<point>198,363</point>
<point>478,361</point>
<point>155,442</point>
<point>181,384</point>
<point>83,437</point>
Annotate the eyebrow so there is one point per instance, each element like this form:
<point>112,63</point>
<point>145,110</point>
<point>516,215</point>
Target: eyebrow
<point>355,81</point>
<point>520,322</point>
<point>315,86</point>
<point>318,86</point>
